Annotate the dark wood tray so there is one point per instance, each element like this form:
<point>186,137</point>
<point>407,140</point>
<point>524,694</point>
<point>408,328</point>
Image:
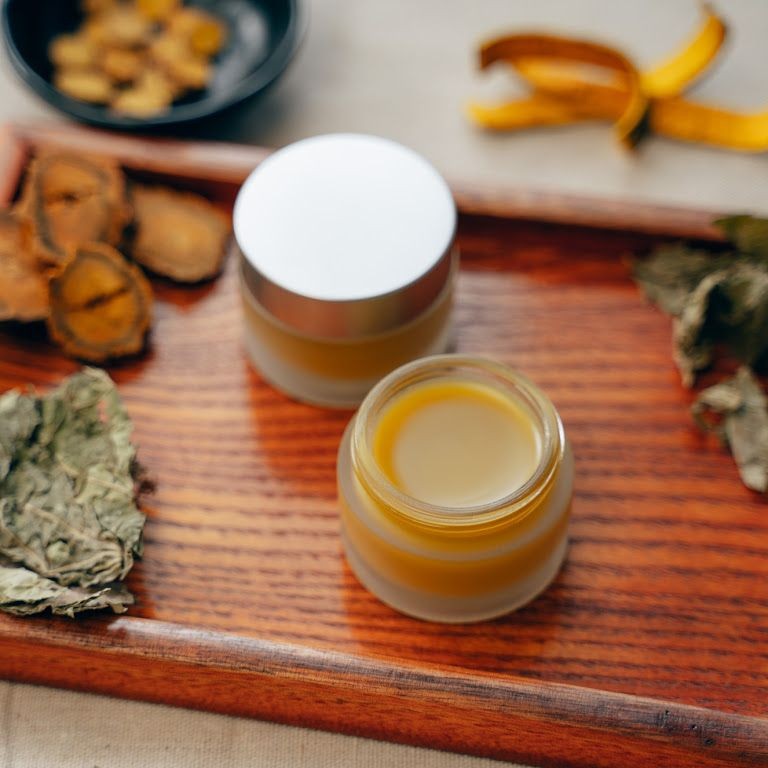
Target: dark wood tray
<point>651,647</point>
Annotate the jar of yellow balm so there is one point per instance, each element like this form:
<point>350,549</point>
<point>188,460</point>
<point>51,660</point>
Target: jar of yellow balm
<point>347,264</point>
<point>455,482</point>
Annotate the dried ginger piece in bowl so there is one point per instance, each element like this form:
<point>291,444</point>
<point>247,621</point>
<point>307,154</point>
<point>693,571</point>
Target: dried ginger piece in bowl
<point>101,305</point>
<point>178,234</point>
<point>85,84</point>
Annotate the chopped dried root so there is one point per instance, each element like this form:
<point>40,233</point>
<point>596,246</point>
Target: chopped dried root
<point>178,234</point>
<point>23,284</point>
<point>101,305</point>
<point>69,200</point>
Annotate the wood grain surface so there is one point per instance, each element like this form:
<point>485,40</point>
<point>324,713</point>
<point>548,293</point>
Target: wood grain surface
<point>650,648</point>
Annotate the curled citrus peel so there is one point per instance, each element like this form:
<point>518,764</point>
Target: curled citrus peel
<point>517,48</point>
<point>566,91</point>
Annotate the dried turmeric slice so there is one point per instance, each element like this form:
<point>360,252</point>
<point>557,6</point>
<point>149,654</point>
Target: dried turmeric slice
<point>71,199</point>
<point>205,33</point>
<point>150,95</point>
<point>98,6</point>
<point>122,65</point>
<point>190,73</point>
<point>101,305</point>
<point>121,25</point>
<point>157,10</point>
<point>178,234</point>
<point>208,37</point>
<point>84,85</point>
<point>70,51</point>
<point>23,284</point>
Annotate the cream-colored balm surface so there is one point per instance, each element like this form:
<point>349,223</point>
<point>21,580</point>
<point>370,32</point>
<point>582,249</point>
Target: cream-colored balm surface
<point>456,443</point>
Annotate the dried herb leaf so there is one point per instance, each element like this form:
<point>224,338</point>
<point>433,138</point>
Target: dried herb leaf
<point>743,426</point>
<point>715,299</point>
<point>672,272</point>
<point>68,511</point>
<point>23,592</point>
<point>748,233</point>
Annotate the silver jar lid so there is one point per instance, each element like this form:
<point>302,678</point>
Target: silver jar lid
<point>345,235</point>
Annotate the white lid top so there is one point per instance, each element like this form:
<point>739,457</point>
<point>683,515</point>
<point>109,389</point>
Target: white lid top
<point>344,217</point>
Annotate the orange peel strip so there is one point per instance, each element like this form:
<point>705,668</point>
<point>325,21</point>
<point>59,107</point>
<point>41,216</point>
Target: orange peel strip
<point>672,76</point>
<point>565,92</point>
<point>630,123</point>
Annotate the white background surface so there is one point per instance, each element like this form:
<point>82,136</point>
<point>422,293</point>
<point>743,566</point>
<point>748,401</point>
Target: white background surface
<point>403,69</point>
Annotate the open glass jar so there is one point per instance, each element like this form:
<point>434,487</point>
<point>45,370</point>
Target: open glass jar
<point>455,482</point>
<point>347,264</point>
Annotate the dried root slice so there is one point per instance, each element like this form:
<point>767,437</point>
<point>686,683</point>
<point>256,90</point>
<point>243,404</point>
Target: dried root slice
<point>190,73</point>
<point>151,95</point>
<point>84,84</point>
<point>205,33</point>
<point>23,284</point>
<point>157,10</point>
<point>101,305</point>
<point>121,25</point>
<point>72,51</point>
<point>69,200</point>
<point>98,6</point>
<point>174,55</point>
<point>122,65</point>
<point>179,235</point>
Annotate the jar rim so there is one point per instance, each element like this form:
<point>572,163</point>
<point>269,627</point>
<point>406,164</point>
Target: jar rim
<point>511,507</point>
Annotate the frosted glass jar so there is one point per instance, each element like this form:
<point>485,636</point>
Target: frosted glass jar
<point>347,264</point>
<point>464,562</point>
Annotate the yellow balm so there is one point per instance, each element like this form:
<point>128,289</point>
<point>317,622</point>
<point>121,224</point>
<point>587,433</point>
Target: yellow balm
<point>456,443</point>
<point>455,482</point>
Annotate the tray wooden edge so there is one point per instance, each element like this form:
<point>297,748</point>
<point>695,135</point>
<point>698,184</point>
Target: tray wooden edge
<point>228,162</point>
<point>509,718</point>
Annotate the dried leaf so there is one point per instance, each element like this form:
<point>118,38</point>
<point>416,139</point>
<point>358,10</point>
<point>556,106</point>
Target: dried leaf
<point>23,593</point>
<point>672,272</point>
<point>68,511</point>
<point>748,233</point>
<point>715,299</point>
<point>743,426</point>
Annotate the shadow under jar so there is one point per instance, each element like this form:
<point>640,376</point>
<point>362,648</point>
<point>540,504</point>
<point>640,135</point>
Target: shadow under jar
<point>455,481</point>
<point>347,265</point>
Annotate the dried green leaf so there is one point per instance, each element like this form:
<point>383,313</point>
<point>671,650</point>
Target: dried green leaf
<point>23,592</point>
<point>67,497</point>
<point>743,425</point>
<point>671,273</point>
<point>715,300</point>
<point>692,347</point>
<point>748,233</point>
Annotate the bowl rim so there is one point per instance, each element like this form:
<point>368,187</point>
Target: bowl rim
<point>276,61</point>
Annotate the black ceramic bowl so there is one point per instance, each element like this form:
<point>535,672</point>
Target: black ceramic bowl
<point>263,36</point>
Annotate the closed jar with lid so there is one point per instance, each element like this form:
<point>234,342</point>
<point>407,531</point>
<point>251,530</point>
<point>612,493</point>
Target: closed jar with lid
<point>347,264</point>
<point>455,481</point>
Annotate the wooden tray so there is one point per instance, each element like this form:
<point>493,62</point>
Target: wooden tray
<point>651,648</point>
